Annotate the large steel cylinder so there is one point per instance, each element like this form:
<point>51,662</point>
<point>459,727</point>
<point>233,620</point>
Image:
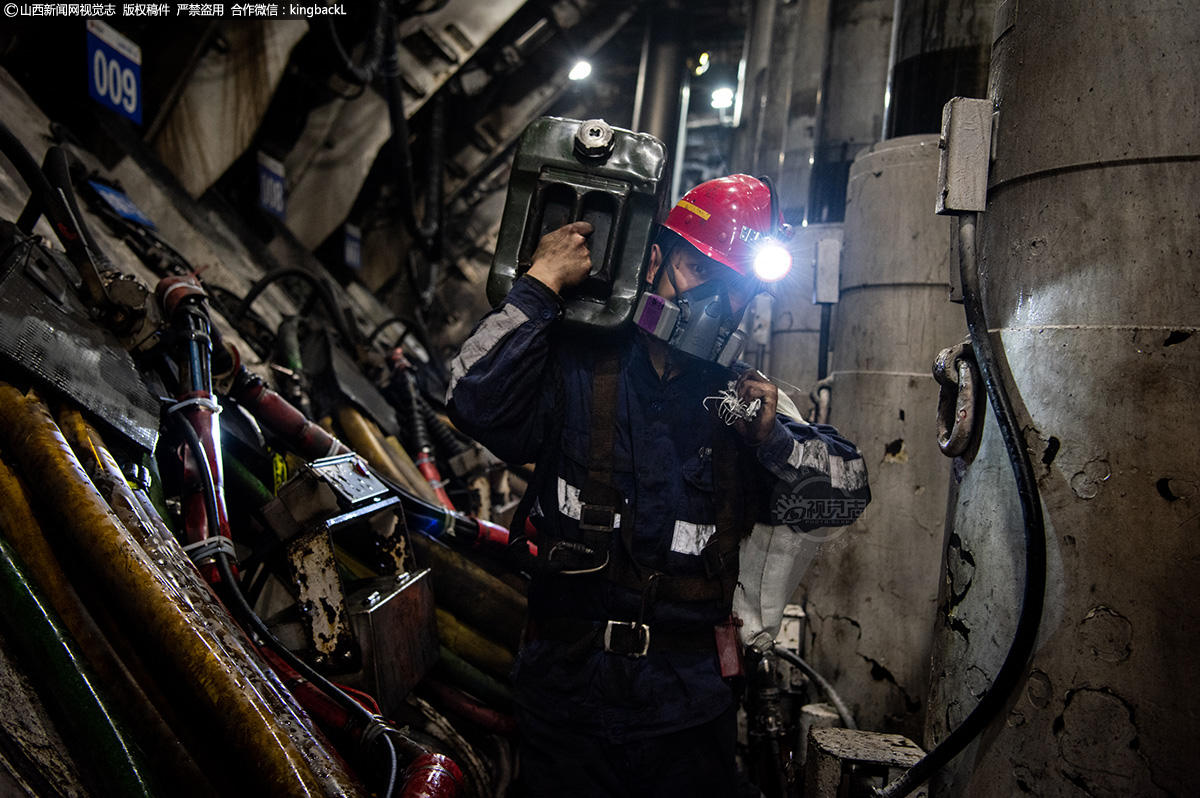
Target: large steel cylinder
<point>941,50</point>
<point>1090,283</point>
<point>872,590</point>
<point>849,115</point>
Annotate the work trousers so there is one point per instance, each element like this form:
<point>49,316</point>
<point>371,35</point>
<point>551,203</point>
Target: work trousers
<point>558,761</point>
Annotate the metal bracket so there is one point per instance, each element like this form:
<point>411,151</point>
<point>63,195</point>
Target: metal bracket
<point>965,155</point>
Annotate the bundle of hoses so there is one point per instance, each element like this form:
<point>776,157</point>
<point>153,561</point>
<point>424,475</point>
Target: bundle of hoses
<point>162,599</point>
<point>184,303</point>
<point>427,773</point>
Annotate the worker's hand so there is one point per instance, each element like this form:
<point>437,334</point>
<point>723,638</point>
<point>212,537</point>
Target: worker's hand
<point>562,259</point>
<point>750,386</point>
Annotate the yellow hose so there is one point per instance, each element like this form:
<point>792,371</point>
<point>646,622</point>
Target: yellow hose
<point>471,645</point>
<point>162,596</point>
<point>28,539</point>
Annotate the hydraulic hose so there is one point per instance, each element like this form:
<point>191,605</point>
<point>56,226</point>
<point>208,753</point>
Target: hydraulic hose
<point>51,657</point>
<point>362,74</point>
<point>407,399</point>
<point>460,673</point>
<point>471,593</point>
<point>1019,652</point>
<point>368,722</point>
<point>167,604</point>
<point>281,417</point>
<point>465,707</point>
<point>429,234</point>
<point>826,688</point>
<point>392,460</point>
<point>184,303</point>
<point>312,442</point>
<point>322,289</point>
<point>126,683</point>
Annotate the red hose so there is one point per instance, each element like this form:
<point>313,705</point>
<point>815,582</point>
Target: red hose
<point>431,776</point>
<point>429,470</point>
<point>282,418</point>
<point>459,703</point>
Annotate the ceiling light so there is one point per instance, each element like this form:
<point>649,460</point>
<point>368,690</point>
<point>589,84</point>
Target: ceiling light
<point>580,71</point>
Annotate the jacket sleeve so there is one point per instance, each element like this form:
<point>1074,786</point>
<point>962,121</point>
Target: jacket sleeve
<point>821,476</point>
<point>502,388</point>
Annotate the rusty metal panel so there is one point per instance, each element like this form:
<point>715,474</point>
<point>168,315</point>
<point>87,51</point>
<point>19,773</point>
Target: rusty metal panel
<point>319,594</point>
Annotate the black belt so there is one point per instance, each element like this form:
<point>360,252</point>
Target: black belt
<point>627,638</point>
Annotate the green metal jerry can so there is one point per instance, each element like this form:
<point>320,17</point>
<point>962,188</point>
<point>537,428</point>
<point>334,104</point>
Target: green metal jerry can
<point>564,171</point>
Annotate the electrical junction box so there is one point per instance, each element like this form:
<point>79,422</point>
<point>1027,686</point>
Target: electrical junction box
<point>567,170</point>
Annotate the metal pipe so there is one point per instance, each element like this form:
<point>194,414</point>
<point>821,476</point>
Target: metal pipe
<point>661,74</point>
<point>160,593</point>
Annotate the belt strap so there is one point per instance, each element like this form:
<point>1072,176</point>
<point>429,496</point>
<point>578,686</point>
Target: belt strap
<point>627,638</point>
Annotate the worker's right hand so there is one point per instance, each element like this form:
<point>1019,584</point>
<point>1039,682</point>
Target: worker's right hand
<point>562,258</point>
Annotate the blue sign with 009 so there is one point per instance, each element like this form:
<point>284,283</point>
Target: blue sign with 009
<point>114,70</point>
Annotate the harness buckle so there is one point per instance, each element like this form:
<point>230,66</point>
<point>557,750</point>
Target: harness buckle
<point>597,518</point>
<point>630,637</point>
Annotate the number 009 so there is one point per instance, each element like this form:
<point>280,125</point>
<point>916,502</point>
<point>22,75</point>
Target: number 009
<point>118,84</point>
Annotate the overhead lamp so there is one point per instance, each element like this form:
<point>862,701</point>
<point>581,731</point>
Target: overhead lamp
<point>580,71</point>
<point>722,98</point>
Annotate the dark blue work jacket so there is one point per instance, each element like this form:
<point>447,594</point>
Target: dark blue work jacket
<point>525,392</point>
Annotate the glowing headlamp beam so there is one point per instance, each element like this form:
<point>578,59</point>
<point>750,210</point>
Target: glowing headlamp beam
<point>772,262</point>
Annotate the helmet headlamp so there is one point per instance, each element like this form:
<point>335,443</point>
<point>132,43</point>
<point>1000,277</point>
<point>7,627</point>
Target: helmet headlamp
<point>772,262</point>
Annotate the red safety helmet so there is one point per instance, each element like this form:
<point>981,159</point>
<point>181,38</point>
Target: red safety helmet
<point>729,220</point>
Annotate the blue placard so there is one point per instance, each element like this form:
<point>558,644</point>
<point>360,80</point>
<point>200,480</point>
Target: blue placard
<point>352,247</point>
<point>114,70</point>
<point>121,204</point>
<point>271,186</point>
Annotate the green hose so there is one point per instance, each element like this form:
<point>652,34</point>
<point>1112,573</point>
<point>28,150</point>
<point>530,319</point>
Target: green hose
<point>52,660</point>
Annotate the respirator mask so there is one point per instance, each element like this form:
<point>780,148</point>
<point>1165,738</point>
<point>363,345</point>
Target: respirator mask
<point>699,322</point>
<point>735,222</point>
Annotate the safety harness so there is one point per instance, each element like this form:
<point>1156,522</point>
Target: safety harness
<point>603,506</point>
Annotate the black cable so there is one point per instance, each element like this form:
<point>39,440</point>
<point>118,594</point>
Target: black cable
<point>1009,675</point>
<point>250,618</point>
<point>322,289</point>
<point>825,687</point>
<point>383,325</point>
<point>362,74</point>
